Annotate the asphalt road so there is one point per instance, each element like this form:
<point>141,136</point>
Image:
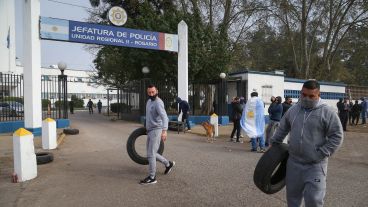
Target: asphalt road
<point>93,169</point>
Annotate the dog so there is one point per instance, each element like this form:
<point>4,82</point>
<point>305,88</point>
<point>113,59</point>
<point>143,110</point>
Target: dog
<point>210,131</point>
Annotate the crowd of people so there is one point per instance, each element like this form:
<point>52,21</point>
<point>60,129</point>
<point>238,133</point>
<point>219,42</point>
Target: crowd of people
<point>348,113</point>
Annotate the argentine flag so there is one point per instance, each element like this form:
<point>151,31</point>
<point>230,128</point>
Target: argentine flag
<point>56,29</point>
<point>252,120</point>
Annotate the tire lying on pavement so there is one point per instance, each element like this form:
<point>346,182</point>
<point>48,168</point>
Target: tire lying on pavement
<point>71,131</point>
<point>131,146</point>
<point>44,157</point>
<point>269,174</point>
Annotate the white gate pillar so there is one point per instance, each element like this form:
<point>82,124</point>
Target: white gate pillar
<point>183,61</point>
<point>32,67</point>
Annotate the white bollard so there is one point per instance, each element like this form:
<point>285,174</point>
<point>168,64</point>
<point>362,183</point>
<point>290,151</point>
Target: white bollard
<point>214,122</point>
<point>25,164</point>
<point>49,140</point>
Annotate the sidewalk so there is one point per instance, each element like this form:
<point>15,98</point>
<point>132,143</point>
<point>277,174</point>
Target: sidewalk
<point>6,152</point>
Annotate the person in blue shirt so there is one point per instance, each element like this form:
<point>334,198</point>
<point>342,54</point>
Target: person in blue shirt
<point>364,105</point>
<point>275,113</point>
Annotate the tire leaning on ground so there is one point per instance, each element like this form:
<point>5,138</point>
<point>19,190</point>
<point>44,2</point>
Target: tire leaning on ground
<point>44,157</point>
<point>269,174</point>
<point>131,146</point>
<point>71,131</point>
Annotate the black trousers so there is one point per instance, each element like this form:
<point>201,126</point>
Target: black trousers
<point>344,116</point>
<point>355,117</point>
<point>236,129</point>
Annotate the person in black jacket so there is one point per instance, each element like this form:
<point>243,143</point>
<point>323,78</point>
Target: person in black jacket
<point>236,116</point>
<point>90,106</point>
<point>343,108</point>
<point>286,105</point>
<point>184,107</point>
<point>355,112</point>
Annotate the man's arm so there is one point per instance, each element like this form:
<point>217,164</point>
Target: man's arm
<point>335,136</point>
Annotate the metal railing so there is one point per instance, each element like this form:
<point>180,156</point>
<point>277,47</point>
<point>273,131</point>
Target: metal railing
<point>53,94</point>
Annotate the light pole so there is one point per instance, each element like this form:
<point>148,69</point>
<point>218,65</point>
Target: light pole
<point>63,101</point>
<point>142,99</point>
<point>222,100</point>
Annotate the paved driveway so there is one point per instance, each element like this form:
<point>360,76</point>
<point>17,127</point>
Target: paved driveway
<point>93,169</point>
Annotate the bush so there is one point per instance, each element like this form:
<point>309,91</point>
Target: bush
<point>45,103</point>
<point>123,107</point>
<point>78,103</point>
<point>11,98</point>
<point>59,104</point>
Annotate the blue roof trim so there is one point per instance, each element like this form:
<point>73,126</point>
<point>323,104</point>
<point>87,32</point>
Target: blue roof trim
<point>255,72</point>
<point>295,80</point>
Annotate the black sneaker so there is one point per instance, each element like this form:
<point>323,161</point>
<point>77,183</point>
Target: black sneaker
<point>148,180</point>
<point>168,169</point>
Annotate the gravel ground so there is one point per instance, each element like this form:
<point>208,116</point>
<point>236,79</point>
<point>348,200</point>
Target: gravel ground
<point>93,169</point>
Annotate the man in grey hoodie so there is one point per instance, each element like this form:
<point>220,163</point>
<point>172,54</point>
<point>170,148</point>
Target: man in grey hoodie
<point>156,125</point>
<point>315,134</point>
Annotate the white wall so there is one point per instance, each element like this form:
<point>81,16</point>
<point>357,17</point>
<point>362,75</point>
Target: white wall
<point>324,88</point>
<point>7,21</point>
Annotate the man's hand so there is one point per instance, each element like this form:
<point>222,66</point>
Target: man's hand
<point>164,135</point>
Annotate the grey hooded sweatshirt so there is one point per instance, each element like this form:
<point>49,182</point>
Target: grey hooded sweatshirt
<point>156,117</point>
<point>314,134</point>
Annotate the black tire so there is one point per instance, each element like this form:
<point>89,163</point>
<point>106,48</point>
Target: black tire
<point>131,146</point>
<point>71,131</point>
<point>44,157</point>
<point>270,172</point>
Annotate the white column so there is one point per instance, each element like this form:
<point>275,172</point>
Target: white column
<point>7,34</point>
<point>49,140</point>
<point>183,61</point>
<point>214,122</point>
<point>25,164</point>
<point>32,65</point>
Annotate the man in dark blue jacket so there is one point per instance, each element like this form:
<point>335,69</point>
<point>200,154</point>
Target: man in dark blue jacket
<point>275,113</point>
<point>184,107</point>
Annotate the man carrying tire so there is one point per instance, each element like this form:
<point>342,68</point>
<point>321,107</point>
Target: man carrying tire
<point>315,134</point>
<point>156,125</point>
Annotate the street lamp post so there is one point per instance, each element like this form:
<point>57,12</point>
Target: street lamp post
<point>142,99</point>
<point>222,100</point>
<point>63,91</point>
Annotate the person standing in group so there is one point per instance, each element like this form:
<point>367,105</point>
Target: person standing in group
<point>99,106</point>
<point>90,106</point>
<point>275,113</point>
<point>315,134</point>
<point>236,116</point>
<point>286,105</point>
<point>185,108</point>
<point>71,106</point>
<point>350,114</point>
<point>355,111</point>
<point>156,125</point>
<point>364,105</point>
<point>253,123</point>
<point>343,109</point>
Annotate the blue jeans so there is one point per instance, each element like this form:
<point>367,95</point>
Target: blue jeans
<point>260,140</point>
<point>364,117</point>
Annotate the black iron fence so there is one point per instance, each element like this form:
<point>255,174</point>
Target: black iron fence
<point>204,98</point>
<point>53,95</point>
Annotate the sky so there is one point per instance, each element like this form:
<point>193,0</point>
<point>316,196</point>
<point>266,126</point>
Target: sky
<point>52,52</point>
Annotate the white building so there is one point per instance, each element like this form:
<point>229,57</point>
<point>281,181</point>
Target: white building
<point>269,84</point>
<point>80,83</point>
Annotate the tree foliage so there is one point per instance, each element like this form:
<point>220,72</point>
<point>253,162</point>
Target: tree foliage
<point>322,39</point>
